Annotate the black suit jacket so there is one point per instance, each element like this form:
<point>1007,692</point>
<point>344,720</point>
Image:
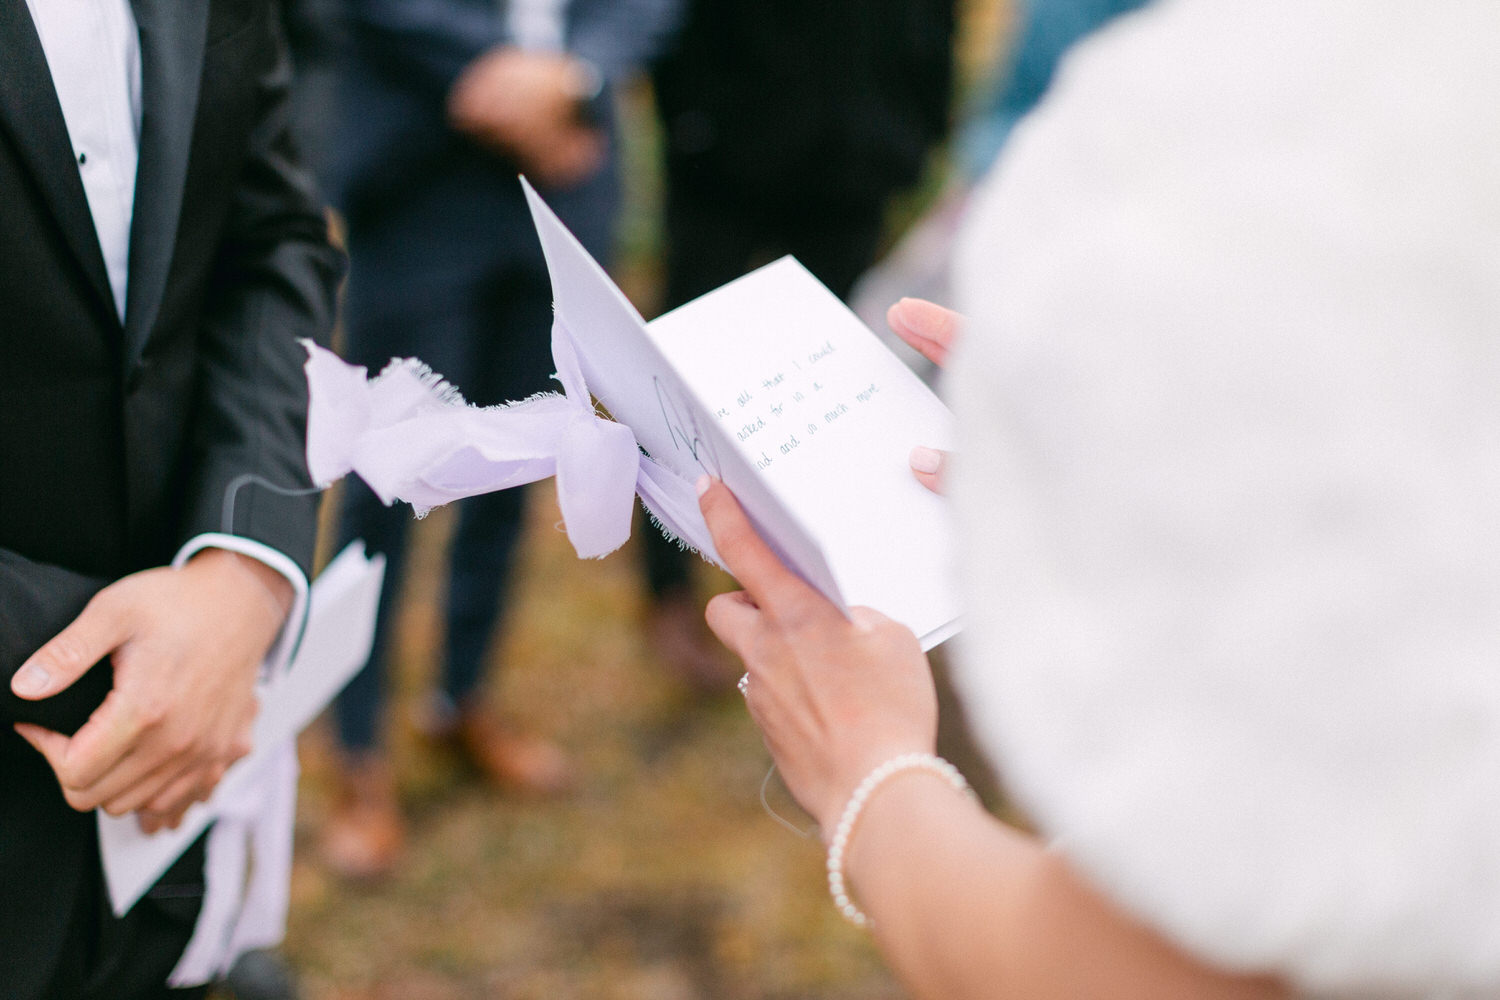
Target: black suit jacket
<point>117,441</point>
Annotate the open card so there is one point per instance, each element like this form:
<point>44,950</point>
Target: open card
<point>771,384</point>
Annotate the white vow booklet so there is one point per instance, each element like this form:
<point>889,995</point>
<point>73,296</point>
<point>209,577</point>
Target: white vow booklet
<point>771,384</point>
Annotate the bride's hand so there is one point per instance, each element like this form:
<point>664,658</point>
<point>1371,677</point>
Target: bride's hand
<point>834,697</point>
<point>932,331</point>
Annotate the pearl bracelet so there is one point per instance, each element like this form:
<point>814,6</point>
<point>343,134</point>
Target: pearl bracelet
<point>862,792</point>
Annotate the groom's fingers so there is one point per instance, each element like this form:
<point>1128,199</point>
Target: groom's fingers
<point>106,742</point>
<point>167,808</point>
<point>151,822</point>
<point>94,634</point>
<point>53,746</point>
<point>119,795</point>
<point>78,784</point>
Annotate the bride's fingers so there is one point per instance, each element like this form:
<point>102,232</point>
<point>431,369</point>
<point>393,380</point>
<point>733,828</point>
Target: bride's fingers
<point>733,618</point>
<point>927,464</point>
<point>772,587</point>
<point>926,326</point>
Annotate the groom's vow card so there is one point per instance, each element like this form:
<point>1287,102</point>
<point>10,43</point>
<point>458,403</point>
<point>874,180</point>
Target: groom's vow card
<point>771,384</point>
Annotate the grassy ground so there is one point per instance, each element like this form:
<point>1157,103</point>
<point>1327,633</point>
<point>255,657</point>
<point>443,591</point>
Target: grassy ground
<point>662,877</point>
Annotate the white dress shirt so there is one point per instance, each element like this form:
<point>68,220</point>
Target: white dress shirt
<point>94,53</point>
<point>537,25</point>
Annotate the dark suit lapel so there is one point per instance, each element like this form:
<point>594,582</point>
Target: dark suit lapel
<point>172,33</point>
<point>30,110</point>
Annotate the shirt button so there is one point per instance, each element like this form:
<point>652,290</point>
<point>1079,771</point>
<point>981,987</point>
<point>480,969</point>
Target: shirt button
<point>83,158</point>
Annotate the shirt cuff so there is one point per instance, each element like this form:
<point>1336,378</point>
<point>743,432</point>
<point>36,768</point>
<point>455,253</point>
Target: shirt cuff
<point>296,620</point>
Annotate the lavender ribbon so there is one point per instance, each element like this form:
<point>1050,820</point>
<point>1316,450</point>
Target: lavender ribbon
<point>410,436</point>
<point>238,916</point>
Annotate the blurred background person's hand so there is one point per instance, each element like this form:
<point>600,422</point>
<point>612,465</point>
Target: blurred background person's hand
<point>533,107</point>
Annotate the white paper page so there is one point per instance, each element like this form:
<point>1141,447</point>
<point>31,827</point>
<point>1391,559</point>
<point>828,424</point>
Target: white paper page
<point>627,373</point>
<point>828,415</point>
<point>335,644</point>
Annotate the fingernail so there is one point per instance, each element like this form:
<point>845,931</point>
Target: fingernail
<point>30,680</point>
<point>894,316</point>
<point>703,483</point>
<point>926,460</point>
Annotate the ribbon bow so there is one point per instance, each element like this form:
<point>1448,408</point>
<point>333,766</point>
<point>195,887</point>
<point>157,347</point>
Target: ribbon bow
<point>237,918</point>
<point>410,436</point>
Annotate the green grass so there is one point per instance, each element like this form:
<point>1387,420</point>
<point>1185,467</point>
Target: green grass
<point>661,877</point>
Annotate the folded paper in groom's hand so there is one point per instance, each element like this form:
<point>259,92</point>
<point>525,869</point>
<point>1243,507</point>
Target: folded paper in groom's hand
<point>251,813</point>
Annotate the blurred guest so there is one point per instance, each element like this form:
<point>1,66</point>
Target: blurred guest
<point>162,254</point>
<point>1042,32</point>
<point>1229,406</point>
<point>442,104</point>
<point>788,128</point>
<point>314,38</point>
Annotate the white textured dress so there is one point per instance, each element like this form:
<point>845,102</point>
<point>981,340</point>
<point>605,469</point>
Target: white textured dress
<point>1230,482</point>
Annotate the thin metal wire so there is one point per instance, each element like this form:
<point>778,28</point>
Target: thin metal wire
<point>765,804</point>
<point>231,493</point>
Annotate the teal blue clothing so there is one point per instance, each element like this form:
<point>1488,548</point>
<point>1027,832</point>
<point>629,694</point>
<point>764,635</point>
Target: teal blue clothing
<point>1047,29</point>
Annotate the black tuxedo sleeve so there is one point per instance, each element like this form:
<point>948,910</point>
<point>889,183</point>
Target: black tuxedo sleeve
<point>274,282</point>
<point>38,601</point>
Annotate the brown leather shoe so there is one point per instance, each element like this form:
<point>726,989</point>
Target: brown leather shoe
<point>363,837</point>
<point>681,642</point>
<point>511,760</point>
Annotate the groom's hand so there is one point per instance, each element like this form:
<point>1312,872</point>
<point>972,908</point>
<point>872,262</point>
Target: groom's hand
<point>185,645</point>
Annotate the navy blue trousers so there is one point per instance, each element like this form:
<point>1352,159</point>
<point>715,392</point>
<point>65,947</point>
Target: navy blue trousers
<point>492,341</point>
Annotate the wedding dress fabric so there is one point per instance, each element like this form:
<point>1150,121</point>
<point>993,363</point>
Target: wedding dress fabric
<point>1230,483</point>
